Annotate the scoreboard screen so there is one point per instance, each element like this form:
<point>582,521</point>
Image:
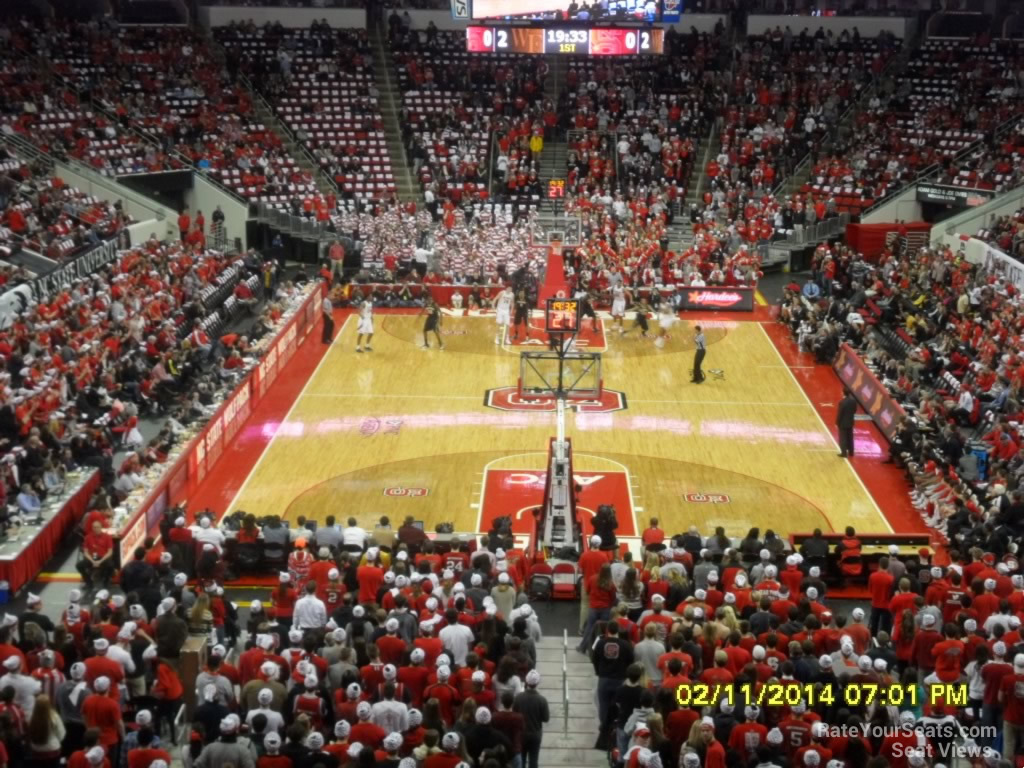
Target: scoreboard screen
<point>579,41</point>
<point>562,316</point>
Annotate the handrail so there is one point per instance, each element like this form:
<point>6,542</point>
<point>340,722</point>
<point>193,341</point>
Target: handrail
<point>716,130</point>
<point>565,682</point>
<point>932,170</point>
<point>144,135</point>
<point>318,171</point>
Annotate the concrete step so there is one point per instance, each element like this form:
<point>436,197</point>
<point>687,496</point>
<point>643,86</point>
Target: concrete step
<point>553,641</point>
<point>566,757</point>
<point>554,667</point>
<point>576,723</point>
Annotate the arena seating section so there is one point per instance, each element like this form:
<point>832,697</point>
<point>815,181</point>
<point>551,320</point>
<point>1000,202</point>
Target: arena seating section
<point>944,102</point>
<point>453,102</point>
<point>321,85</point>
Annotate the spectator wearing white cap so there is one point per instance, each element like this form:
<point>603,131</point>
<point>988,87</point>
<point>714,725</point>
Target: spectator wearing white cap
<point>590,563</point>
<point>227,749</point>
<point>143,738</point>
<point>101,710</point>
<point>206,532</point>
<point>482,735</point>
<point>209,712</point>
<point>504,595</point>
<point>34,613</point>
<point>389,713</point>
<point>25,687</point>
<point>265,699</point>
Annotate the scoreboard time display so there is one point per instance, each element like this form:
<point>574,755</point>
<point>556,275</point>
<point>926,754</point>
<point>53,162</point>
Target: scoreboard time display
<point>579,41</point>
<point>562,316</point>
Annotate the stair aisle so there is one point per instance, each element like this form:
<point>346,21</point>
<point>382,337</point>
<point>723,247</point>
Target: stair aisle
<point>390,102</point>
<point>568,743</point>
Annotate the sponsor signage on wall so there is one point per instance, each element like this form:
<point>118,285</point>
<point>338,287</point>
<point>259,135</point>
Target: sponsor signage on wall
<point>717,297</point>
<point>869,391</point>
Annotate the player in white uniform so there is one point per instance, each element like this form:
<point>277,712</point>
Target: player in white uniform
<point>365,327</point>
<point>618,306</point>
<point>666,319</point>
<point>503,317</point>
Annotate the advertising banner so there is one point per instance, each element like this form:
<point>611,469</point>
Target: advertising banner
<point>717,297</point>
<point>962,197</point>
<point>869,391</point>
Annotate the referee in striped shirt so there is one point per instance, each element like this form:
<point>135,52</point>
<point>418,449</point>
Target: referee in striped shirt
<point>698,358</point>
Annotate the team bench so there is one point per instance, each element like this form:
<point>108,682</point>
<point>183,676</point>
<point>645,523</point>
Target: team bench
<point>872,547</point>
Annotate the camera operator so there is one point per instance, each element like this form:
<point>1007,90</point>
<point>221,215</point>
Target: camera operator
<point>605,524</point>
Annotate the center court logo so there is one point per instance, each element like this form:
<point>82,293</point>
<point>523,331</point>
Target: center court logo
<point>509,399</point>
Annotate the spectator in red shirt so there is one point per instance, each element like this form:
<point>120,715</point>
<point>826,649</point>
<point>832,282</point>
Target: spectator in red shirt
<point>96,563</point>
<point>880,586</point>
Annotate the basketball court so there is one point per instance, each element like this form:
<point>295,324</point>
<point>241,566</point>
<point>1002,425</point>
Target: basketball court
<point>447,436</point>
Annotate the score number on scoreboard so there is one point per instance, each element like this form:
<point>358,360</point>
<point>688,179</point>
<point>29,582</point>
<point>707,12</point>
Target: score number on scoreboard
<point>607,41</point>
<point>562,316</point>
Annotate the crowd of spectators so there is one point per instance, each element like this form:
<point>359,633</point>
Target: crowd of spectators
<point>373,647</point>
<point>948,100</point>
<point>146,337</point>
<point>453,103</point>
<point>42,213</point>
<point>484,243</point>
<point>741,617</point>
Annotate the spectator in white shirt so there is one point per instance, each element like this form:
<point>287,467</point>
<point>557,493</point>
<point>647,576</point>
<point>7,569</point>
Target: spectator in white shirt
<point>205,533</point>
<point>353,535</point>
<point>391,715</point>
<point>310,611</point>
<point>456,638</point>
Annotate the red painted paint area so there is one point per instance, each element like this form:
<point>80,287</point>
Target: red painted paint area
<point>537,338</point>
<point>220,486</point>
<point>516,492</point>
<point>885,482</point>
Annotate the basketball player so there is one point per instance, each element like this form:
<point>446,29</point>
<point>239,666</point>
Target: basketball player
<point>503,307</point>
<point>586,308</point>
<point>642,309</point>
<point>522,315</point>
<point>666,319</point>
<point>618,306</point>
<point>365,327</point>
<point>433,323</point>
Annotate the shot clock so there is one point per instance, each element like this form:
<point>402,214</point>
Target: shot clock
<point>579,41</point>
<point>562,316</point>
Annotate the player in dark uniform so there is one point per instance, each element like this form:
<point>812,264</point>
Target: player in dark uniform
<point>432,323</point>
<point>522,316</point>
<point>642,309</point>
<point>586,309</point>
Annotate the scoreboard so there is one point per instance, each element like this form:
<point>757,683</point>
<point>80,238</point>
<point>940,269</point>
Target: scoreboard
<point>580,41</point>
<point>562,316</point>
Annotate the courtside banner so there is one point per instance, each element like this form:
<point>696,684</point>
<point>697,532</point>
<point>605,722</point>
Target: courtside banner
<point>869,391</point>
<point>717,297</point>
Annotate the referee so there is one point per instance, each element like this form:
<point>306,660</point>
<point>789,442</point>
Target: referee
<point>698,358</point>
<point>327,308</point>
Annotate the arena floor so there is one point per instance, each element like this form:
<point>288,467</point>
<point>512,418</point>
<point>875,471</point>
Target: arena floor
<point>403,430</point>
